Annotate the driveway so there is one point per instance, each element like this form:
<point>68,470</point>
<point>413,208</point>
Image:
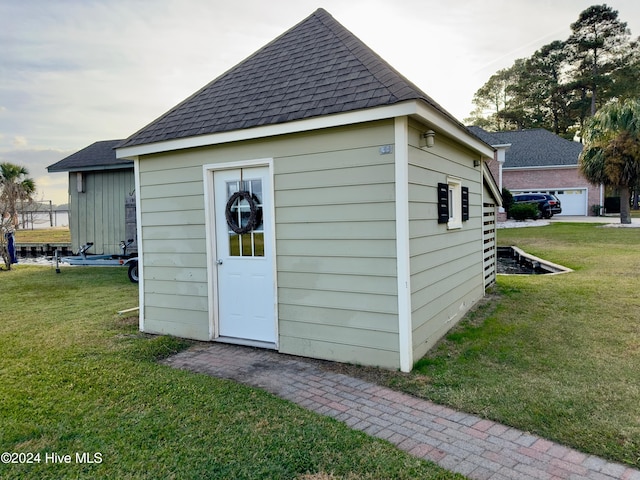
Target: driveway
<point>609,219</point>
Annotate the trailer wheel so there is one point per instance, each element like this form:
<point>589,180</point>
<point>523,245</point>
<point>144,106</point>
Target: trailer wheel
<point>133,272</point>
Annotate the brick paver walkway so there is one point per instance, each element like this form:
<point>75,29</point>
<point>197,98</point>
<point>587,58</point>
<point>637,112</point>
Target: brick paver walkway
<point>459,442</point>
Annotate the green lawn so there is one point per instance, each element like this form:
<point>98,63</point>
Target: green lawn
<point>44,235</point>
<point>555,355</point>
<point>75,378</point>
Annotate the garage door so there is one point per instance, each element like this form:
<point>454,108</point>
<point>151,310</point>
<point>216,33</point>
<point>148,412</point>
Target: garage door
<point>574,201</point>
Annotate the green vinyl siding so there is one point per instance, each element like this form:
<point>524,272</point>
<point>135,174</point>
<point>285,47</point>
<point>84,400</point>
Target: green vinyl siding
<point>162,320</point>
<point>174,248</point>
<point>98,213</point>
<point>335,235</point>
<point>335,231</point>
<point>446,264</point>
<point>335,241</point>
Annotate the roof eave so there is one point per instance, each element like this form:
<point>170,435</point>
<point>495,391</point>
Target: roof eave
<point>452,128</point>
<point>542,167</point>
<point>91,168</point>
<point>492,185</point>
<point>418,109</point>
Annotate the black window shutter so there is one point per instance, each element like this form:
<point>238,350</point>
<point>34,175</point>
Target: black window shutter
<point>443,203</point>
<point>465,204</point>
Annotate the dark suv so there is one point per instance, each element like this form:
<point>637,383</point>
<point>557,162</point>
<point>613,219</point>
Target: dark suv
<point>554,203</point>
<point>547,204</point>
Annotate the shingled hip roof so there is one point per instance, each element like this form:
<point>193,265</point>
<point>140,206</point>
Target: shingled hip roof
<point>533,148</point>
<point>97,156</point>
<point>316,68</point>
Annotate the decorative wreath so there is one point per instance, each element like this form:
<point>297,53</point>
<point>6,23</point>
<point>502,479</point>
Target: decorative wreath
<point>255,213</point>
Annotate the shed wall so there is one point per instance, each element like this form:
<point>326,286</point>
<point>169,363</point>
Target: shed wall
<point>446,264</point>
<point>335,235</point>
<point>98,213</point>
<point>335,231</point>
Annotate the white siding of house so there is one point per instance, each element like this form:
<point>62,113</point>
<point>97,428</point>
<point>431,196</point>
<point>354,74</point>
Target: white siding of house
<point>446,264</point>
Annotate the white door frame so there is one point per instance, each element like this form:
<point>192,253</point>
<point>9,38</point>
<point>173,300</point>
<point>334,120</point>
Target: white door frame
<point>210,226</point>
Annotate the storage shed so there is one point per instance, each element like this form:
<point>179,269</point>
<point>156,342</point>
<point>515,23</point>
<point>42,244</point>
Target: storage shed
<point>314,201</point>
<point>101,197</point>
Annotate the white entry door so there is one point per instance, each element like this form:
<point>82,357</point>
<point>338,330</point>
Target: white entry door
<point>244,263</point>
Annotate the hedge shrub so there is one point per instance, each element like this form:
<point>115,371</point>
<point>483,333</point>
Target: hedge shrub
<point>522,211</point>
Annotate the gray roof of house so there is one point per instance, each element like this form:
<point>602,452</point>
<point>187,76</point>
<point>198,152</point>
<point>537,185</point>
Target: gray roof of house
<point>316,68</point>
<point>532,148</point>
<point>97,156</point>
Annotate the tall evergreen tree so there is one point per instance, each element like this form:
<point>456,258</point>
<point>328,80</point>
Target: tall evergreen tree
<point>627,78</point>
<point>561,85</point>
<point>597,46</point>
<point>494,100</point>
<point>543,91</point>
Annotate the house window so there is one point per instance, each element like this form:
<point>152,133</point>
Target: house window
<point>453,203</point>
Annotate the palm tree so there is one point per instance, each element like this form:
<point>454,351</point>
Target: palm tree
<point>15,188</point>
<point>611,153</point>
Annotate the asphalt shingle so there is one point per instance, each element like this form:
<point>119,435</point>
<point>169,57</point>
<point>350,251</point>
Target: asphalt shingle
<point>532,148</point>
<point>97,155</point>
<point>316,68</point>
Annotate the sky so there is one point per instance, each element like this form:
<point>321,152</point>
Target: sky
<point>73,72</point>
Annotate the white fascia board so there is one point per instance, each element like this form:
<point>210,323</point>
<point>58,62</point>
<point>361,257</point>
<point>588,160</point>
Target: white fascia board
<point>96,168</point>
<point>327,121</point>
<point>490,181</point>
<point>444,124</point>
<point>415,108</point>
<point>522,190</point>
<point>544,167</point>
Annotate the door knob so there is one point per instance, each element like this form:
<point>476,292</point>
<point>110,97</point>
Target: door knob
<point>219,262</point>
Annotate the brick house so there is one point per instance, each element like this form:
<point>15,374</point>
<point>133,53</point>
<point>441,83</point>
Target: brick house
<point>538,161</point>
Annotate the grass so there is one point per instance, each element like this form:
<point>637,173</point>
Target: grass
<point>44,235</point>
<point>558,356</point>
<point>77,378</point>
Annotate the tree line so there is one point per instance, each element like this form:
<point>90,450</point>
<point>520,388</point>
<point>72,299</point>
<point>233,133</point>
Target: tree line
<point>564,83</point>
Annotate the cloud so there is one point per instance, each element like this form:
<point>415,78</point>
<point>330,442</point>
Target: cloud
<point>75,71</point>
<point>20,142</point>
<point>48,187</point>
